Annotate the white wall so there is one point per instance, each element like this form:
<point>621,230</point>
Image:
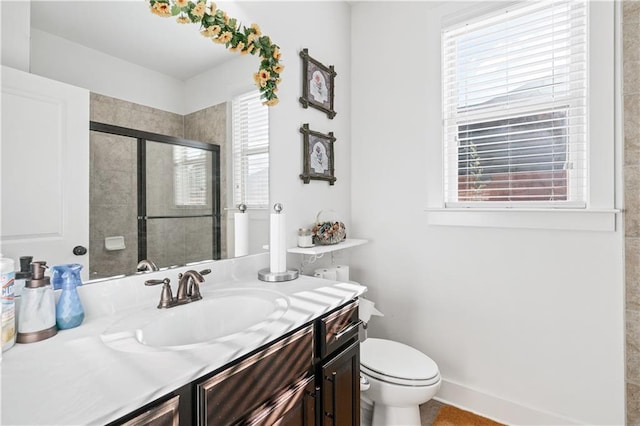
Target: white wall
<point>324,29</point>
<point>525,325</point>
<point>15,27</point>
<point>59,59</point>
<point>294,26</point>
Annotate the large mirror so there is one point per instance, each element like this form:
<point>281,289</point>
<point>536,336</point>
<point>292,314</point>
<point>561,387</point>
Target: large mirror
<point>156,145</point>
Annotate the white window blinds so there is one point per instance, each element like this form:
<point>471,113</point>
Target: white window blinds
<point>250,151</point>
<point>190,176</point>
<point>515,107</point>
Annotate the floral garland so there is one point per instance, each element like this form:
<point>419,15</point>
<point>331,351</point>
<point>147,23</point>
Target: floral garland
<point>216,25</point>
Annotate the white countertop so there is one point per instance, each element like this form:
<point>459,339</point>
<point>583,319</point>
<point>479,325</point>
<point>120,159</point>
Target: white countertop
<point>74,378</point>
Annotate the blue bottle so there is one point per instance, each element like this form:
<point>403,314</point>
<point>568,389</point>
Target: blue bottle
<point>69,311</point>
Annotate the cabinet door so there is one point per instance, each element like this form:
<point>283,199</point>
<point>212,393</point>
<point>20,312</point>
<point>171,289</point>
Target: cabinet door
<point>294,407</point>
<point>341,388</point>
<point>230,395</point>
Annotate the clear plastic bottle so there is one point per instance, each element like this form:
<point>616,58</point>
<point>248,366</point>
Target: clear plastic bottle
<point>7,271</point>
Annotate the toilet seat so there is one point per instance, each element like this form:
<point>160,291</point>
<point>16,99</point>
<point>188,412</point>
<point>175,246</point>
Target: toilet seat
<point>397,363</point>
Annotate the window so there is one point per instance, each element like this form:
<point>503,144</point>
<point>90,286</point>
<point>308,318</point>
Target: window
<point>515,108</point>
<point>250,151</point>
<point>190,176</point>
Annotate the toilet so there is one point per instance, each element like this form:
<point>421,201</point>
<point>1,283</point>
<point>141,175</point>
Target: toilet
<point>397,379</point>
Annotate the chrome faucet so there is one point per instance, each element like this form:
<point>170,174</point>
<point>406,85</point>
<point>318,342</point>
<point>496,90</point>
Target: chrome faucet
<point>188,289</point>
<point>146,265</point>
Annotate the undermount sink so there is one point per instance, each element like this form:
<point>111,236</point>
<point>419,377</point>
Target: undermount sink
<point>217,317</point>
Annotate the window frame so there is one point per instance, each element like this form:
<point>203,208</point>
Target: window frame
<point>604,150</point>
<point>454,118</point>
<point>178,175</point>
<point>241,154</point>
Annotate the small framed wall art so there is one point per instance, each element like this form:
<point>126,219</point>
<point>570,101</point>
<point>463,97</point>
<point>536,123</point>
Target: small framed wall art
<point>317,155</point>
<point>317,84</point>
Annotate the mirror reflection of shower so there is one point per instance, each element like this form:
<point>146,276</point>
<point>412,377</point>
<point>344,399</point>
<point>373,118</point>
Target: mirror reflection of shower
<point>162,200</point>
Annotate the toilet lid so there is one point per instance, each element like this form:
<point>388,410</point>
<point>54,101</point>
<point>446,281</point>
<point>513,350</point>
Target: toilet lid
<point>397,362</point>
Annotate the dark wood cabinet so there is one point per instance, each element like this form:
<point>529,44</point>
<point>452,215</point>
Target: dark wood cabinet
<point>341,388</point>
<point>160,413</point>
<point>338,367</point>
<point>296,406</point>
<point>309,377</point>
<point>229,396</point>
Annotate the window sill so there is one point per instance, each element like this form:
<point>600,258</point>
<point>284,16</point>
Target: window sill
<point>603,220</point>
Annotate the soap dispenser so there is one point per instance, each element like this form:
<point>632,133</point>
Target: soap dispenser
<point>69,311</point>
<point>37,319</point>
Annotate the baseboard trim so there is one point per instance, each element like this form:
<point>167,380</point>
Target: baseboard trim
<point>495,408</point>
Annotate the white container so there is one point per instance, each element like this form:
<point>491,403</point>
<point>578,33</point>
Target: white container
<point>305,238</point>
<point>7,278</point>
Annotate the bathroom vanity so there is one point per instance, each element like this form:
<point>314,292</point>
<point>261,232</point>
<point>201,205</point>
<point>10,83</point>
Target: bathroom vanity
<point>307,377</point>
<point>290,356</point>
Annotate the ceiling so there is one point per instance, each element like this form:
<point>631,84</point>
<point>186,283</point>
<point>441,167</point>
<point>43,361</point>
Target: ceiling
<point>127,30</point>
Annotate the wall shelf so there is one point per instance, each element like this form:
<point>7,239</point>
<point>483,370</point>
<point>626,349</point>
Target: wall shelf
<point>320,250</point>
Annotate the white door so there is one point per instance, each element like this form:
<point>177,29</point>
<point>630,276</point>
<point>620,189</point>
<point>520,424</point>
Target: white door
<point>44,155</point>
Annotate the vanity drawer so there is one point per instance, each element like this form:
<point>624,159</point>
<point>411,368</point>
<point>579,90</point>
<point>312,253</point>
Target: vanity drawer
<point>294,406</point>
<point>231,394</point>
<point>338,328</point>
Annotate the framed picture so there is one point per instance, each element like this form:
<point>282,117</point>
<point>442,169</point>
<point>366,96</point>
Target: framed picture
<point>317,155</point>
<point>317,84</point>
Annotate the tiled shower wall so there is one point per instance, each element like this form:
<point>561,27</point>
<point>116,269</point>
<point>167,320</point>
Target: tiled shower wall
<point>113,193</point>
<point>631,97</point>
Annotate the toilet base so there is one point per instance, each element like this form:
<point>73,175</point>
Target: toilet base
<point>366,410</point>
<point>395,416</point>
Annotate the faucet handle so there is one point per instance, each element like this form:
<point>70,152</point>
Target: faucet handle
<point>166,297</point>
<point>205,272</point>
<point>153,282</point>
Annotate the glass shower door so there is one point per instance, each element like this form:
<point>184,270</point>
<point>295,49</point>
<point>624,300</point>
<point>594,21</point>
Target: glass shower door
<point>180,212</point>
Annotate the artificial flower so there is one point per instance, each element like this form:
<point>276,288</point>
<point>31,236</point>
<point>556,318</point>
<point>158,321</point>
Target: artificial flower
<point>225,37</point>
<point>237,47</point>
<point>161,9</point>
<point>199,10</point>
<point>245,38</point>
<point>211,31</point>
